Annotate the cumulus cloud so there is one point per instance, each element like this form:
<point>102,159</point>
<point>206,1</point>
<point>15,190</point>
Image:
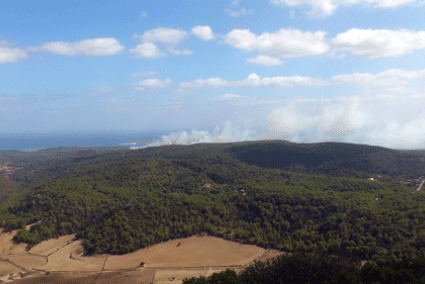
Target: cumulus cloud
<point>265,60</point>
<point>144,74</point>
<point>323,8</point>
<point>11,55</point>
<point>283,43</point>
<point>203,32</point>
<point>152,83</point>
<point>378,43</point>
<point>146,50</point>
<point>88,47</point>
<point>168,36</point>
<point>164,35</point>
<point>253,80</point>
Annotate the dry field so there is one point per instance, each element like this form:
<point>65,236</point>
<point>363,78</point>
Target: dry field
<point>173,260</point>
<point>48,247</point>
<point>192,252</point>
<point>7,246</point>
<point>168,262</point>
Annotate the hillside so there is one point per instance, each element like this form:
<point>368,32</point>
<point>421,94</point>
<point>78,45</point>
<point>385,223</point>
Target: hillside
<point>275,194</point>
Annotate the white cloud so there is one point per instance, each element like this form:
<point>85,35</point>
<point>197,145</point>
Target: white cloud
<point>378,43</point>
<point>164,35</point>
<point>152,83</point>
<point>323,8</point>
<point>88,47</point>
<point>180,52</point>
<point>146,50</point>
<point>393,77</point>
<point>10,55</point>
<point>211,82</point>
<point>144,74</point>
<point>386,78</point>
<point>168,36</point>
<point>283,43</point>
<point>253,80</point>
<point>203,32</point>
<point>237,13</point>
<point>265,60</point>
<point>226,97</point>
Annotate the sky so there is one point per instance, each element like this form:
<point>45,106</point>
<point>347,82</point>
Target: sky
<point>216,71</point>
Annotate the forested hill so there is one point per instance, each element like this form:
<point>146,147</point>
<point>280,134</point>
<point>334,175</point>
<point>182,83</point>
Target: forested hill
<point>331,157</point>
<point>274,194</point>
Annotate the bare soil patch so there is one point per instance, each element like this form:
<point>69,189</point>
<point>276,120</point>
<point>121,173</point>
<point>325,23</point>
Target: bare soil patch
<point>7,246</point>
<point>61,260</point>
<point>7,268</point>
<point>50,246</point>
<point>28,261</point>
<point>267,255</point>
<point>194,251</point>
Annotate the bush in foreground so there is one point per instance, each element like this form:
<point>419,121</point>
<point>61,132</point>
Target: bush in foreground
<point>311,268</point>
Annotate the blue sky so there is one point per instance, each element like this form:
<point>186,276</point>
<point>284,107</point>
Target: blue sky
<point>216,71</point>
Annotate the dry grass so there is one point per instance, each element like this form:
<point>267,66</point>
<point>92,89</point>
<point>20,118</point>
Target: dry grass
<point>7,246</point>
<point>28,261</point>
<point>7,268</point>
<point>194,251</point>
<point>48,247</point>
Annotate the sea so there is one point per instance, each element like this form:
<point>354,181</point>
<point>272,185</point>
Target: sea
<point>30,142</point>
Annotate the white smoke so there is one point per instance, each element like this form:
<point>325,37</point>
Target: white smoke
<point>227,133</point>
<point>386,120</point>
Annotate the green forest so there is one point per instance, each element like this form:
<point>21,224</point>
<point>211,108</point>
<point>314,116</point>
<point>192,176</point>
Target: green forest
<point>317,267</point>
<point>274,194</point>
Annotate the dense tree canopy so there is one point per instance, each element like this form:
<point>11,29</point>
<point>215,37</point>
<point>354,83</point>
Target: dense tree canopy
<point>123,201</point>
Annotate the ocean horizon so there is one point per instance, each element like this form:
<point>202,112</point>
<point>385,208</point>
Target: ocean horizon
<point>28,142</point>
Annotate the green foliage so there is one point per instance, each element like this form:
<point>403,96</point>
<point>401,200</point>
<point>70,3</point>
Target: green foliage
<point>127,200</point>
<point>318,268</point>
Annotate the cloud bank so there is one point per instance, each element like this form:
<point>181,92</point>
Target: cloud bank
<point>284,43</point>
<point>374,44</point>
<point>391,77</point>
<point>88,47</point>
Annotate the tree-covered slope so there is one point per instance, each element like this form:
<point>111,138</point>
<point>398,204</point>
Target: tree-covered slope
<point>126,200</point>
<point>331,157</point>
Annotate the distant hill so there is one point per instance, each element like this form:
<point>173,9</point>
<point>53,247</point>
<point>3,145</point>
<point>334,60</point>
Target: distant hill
<point>275,194</point>
<point>328,156</point>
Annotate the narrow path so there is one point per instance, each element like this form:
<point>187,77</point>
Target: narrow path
<point>420,186</point>
<point>104,264</point>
